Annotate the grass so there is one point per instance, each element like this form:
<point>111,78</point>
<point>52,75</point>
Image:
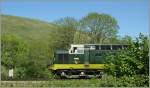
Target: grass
<point>28,29</point>
<point>52,83</point>
<point>106,81</point>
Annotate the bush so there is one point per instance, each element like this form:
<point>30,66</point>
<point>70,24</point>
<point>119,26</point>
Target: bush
<point>131,61</point>
<point>14,53</point>
<point>124,81</point>
<point>28,61</point>
<point>134,81</point>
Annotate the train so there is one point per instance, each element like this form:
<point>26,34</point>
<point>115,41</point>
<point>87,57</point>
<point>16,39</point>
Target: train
<point>82,60</point>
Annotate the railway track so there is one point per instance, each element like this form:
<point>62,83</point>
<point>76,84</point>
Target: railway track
<point>48,83</point>
<point>47,79</point>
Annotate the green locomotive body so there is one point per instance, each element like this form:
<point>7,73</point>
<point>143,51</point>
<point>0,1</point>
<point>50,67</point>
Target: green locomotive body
<point>83,59</point>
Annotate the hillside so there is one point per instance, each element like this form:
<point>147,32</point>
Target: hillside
<point>37,36</point>
<point>28,29</point>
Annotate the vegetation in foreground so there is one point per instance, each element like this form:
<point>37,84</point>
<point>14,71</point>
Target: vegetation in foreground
<point>106,81</point>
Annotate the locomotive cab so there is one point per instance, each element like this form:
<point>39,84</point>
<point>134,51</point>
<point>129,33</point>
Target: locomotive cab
<point>76,49</point>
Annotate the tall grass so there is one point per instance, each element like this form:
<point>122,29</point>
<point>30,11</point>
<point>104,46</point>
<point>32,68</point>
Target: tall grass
<point>106,81</point>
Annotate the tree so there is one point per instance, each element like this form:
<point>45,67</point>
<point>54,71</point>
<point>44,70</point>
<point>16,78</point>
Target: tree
<point>14,50</point>
<point>125,40</point>
<point>81,37</point>
<point>140,51</point>
<point>102,27</point>
<point>131,61</point>
<point>38,58</point>
<point>68,22</point>
<point>62,37</point>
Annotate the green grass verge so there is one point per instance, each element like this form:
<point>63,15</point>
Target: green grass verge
<point>106,81</point>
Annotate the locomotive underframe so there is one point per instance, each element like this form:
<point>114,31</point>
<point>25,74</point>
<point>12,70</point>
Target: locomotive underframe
<point>78,73</point>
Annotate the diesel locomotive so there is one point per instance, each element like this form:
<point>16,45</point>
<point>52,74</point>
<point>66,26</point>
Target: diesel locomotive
<point>82,60</point>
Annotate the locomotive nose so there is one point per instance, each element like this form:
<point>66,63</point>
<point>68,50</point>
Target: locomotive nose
<point>49,66</point>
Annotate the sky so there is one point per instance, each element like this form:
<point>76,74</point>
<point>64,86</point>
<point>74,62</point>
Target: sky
<point>132,16</point>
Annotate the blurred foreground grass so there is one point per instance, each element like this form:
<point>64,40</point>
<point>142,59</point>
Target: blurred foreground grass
<point>106,81</point>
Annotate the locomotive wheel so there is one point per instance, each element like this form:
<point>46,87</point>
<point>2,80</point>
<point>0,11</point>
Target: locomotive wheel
<point>56,75</point>
<point>100,76</point>
<point>63,77</point>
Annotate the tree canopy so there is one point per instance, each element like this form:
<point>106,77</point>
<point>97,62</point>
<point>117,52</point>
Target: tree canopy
<point>102,27</point>
<point>14,51</point>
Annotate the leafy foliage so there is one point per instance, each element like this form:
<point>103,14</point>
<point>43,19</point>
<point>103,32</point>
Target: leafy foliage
<point>27,61</point>
<point>14,51</point>
<point>93,28</point>
<point>61,37</point>
<point>81,38</point>
<point>68,22</point>
<point>101,26</point>
<point>131,61</point>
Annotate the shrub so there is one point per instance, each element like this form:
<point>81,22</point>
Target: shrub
<point>131,61</point>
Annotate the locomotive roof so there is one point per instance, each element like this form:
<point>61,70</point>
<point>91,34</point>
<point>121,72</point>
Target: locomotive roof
<point>100,44</point>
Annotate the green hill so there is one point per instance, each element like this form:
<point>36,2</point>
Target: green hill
<point>37,36</point>
<point>28,29</point>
